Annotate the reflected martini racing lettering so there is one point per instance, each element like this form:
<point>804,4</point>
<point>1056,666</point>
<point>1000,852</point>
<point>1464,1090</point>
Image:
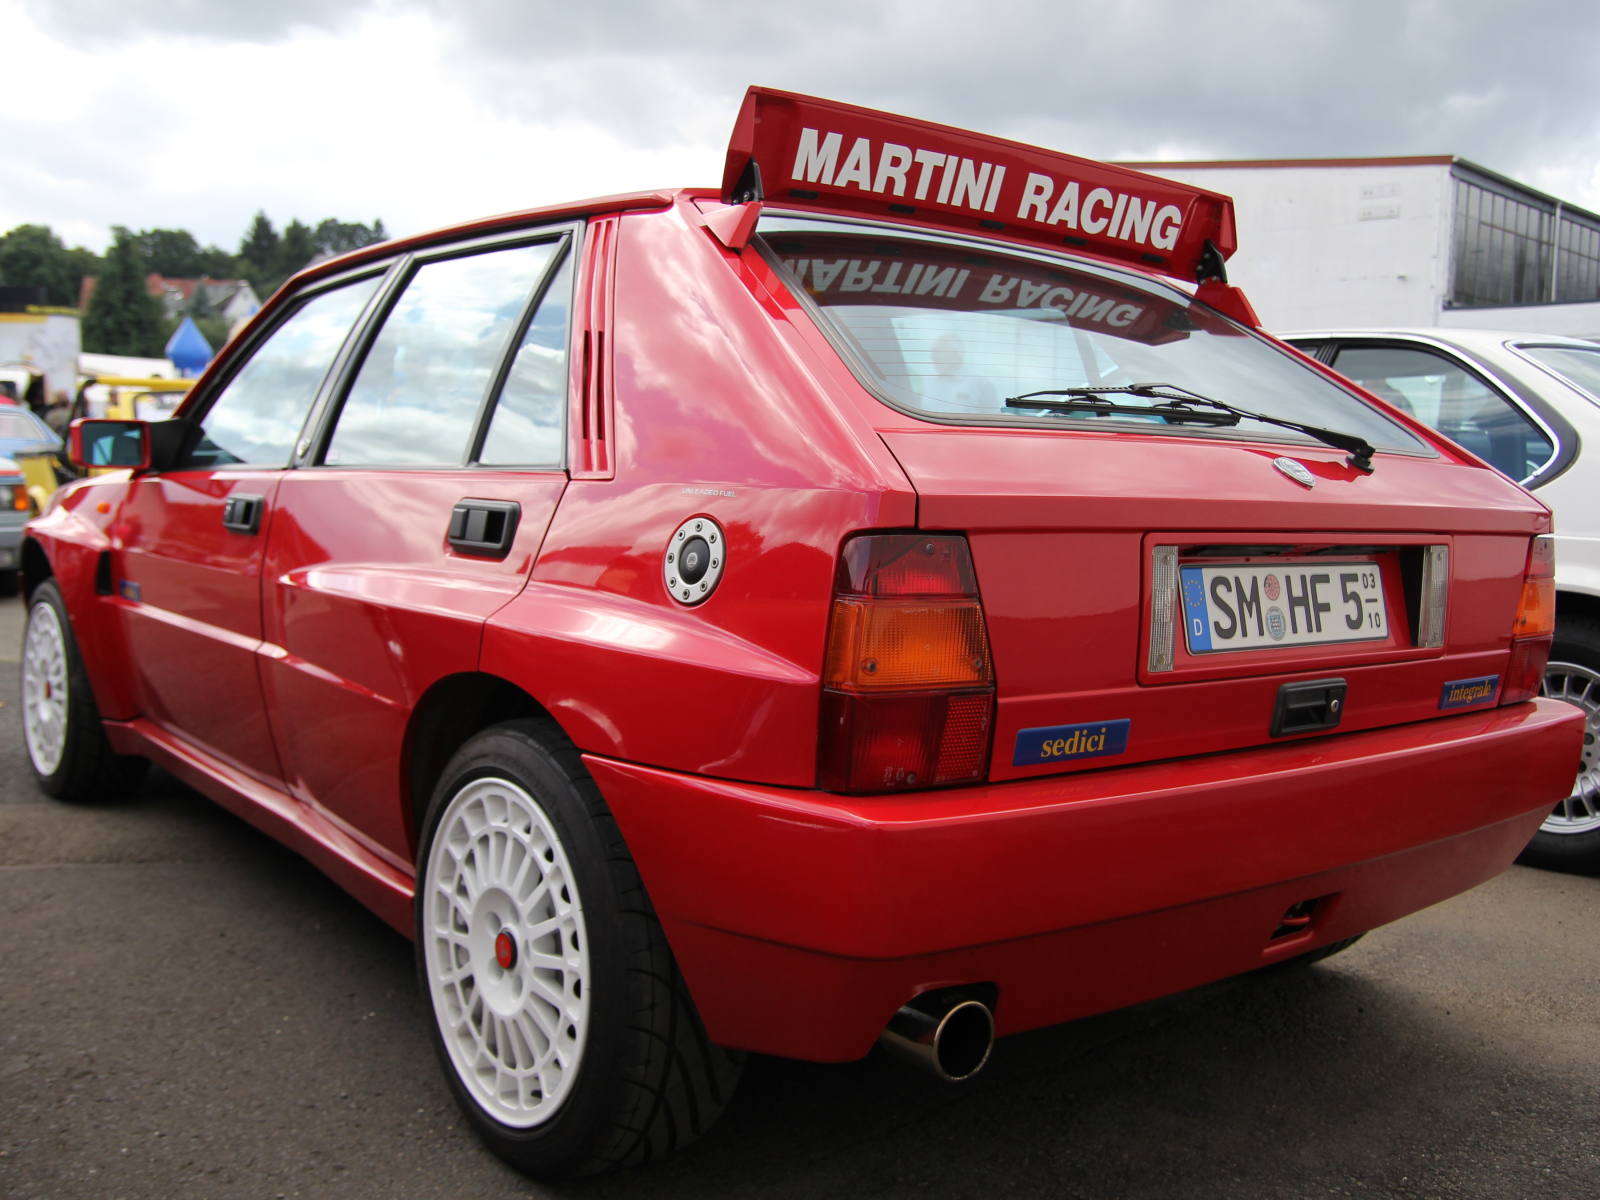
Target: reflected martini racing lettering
<point>1063,743</point>
<point>1464,693</point>
<point>842,276</point>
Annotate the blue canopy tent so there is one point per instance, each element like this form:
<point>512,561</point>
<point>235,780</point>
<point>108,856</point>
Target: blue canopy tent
<point>189,350</point>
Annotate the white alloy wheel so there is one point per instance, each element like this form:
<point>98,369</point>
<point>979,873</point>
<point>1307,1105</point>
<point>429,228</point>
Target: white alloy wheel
<point>1579,812</point>
<point>506,953</point>
<point>44,689</point>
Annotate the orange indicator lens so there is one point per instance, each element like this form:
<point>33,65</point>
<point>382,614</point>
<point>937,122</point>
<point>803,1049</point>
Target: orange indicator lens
<point>1536,614</point>
<point>876,646</point>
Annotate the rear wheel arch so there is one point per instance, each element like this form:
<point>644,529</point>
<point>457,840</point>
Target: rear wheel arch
<point>450,713</point>
<point>35,565</point>
<point>1578,605</point>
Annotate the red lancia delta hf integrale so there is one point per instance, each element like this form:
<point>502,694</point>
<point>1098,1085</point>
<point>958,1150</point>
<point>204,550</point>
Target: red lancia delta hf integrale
<point>899,597</point>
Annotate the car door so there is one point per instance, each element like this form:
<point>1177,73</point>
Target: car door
<point>1452,397</point>
<point>416,515</point>
<point>189,550</point>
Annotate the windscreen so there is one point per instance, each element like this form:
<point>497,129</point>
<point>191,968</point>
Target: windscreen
<point>956,330</point>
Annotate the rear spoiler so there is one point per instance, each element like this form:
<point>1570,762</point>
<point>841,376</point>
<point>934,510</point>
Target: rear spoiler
<point>802,152</point>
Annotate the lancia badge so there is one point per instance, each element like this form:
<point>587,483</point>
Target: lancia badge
<point>1295,471</point>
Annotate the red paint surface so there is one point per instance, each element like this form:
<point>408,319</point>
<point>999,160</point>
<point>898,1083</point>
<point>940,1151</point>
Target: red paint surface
<point>984,884</point>
<point>282,674</point>
<point>194,633</point>
<point>367,607</point>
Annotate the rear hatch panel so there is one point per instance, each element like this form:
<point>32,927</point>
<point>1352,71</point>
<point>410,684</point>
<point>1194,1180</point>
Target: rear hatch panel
<point>1062,529</point>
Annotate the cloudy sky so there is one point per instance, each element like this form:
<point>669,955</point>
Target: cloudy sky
<point>195,113</point>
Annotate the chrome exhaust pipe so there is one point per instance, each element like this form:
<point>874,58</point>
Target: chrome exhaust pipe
<point>945,1033</point>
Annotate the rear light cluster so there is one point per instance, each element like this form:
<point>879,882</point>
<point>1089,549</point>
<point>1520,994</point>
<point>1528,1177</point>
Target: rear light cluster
<point>15,497</point>
<point>1535,624</point>
<point>908,688</point>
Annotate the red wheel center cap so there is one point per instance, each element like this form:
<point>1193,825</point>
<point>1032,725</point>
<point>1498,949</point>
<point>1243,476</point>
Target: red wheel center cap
<point>505,950</point>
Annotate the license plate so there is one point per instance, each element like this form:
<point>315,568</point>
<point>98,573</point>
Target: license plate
<point>1231,606</point>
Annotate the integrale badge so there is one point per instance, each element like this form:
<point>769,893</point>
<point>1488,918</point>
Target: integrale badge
<point>1063,743</point>
<point>1464,693</point>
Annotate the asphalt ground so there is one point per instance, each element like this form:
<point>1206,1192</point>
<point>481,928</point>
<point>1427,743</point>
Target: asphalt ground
<point>187,1009</point>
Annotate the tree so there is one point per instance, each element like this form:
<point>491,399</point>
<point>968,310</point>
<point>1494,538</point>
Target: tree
<point>33,256</point>
<point>259,252</point>
<point>123,317</point>
<point>173,253</point>
<point>297,248</point>
<point>340,237</point>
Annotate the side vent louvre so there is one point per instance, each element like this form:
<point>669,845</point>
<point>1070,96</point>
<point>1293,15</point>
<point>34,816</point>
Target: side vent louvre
<point>102,574</point>
<point>592,396</point>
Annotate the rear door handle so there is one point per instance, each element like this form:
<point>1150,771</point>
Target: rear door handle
<point>242,513</point>
<point>484,527</point>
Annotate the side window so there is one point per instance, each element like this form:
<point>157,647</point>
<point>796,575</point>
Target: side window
<point>262,409</point>
<point>1446,396</point>
<point>416,398</point>
<point>526,429</point>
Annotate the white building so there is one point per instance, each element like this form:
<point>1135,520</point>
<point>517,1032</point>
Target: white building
<point>44,339</point>
<point>1404,242</point>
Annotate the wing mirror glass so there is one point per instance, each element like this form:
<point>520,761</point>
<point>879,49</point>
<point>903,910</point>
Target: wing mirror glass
<point>93,443</point>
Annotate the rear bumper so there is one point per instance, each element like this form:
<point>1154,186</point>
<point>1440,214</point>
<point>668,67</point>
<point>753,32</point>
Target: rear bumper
<point>802,920</point>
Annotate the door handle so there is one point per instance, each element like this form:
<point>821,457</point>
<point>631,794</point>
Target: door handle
<point>242,513</point>
<point>484,527</point>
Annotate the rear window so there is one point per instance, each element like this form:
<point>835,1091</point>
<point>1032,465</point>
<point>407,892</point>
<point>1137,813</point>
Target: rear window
<point>951,330</point>
<point>1573,363</point>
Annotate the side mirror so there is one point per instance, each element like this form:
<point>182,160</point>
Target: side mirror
<point>94,443</point>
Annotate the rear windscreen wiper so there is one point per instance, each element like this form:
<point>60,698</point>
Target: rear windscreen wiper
<point>1176,413</point>
<point>1178,408</point>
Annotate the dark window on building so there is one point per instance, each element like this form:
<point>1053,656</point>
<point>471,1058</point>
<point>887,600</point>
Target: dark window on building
<point>1578,262</point>
<point>1515,246</point>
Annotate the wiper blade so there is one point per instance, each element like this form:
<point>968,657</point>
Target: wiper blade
<point>1180,399</point>
<point>1179,413</point>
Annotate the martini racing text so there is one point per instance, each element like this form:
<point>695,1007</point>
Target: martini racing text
<point>949,179</point>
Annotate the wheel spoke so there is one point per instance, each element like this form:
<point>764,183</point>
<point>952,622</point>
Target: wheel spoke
<point>1579,812</point>
<point>495,866</point>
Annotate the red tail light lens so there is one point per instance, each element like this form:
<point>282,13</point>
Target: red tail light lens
<point>1526,672</point>
<point>908,687</point>
<point>1535,623</point>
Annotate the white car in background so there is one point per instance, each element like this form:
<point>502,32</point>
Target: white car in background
<point>1528,405</point>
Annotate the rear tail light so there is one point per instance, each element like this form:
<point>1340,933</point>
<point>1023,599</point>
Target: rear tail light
<point>908,687</point>
<point>14,496</point>
<point>1535,624</point>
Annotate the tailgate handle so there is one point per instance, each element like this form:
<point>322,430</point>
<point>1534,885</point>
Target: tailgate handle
<point>484,527</point>
<point>1307,707</point>
<point>242,513</point>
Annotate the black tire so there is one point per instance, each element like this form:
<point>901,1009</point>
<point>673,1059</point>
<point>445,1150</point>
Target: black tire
<point>87,768</point>
<point>648,1081</point>
<point>1573,674</point>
